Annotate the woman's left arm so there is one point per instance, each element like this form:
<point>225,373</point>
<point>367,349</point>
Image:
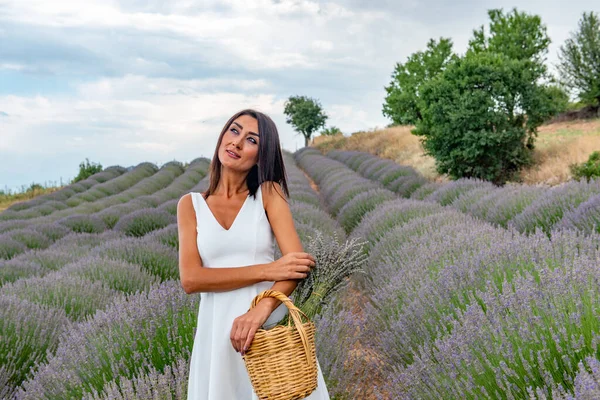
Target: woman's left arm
<point>282,223</point>
<point>280,217</point>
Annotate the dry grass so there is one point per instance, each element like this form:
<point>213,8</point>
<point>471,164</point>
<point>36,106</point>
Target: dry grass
<point>557,146</point>
<point>395,143</point>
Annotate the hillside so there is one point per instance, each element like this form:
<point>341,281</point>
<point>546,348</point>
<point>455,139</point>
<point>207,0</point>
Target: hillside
<point>557,146</point>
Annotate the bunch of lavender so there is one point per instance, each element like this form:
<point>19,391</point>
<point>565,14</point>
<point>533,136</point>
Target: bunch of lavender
<point>335,262</point>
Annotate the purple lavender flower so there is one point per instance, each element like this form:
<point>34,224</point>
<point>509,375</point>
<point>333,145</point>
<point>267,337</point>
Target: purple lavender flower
<point>141,222</point>
<point>28,332</point>
<point>586,217</point>
<point>83,223</point>
<point>154,328</point>
<point>156,258</point>
<point>353,211</point>
<point>549,208</point>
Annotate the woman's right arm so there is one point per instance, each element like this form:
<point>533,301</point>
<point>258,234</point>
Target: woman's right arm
<point>196,278</point>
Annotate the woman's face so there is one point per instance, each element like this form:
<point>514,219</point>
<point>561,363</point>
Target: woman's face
<point>239,147</point>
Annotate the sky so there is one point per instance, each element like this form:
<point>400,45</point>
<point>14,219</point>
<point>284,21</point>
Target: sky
<point>128,81</point>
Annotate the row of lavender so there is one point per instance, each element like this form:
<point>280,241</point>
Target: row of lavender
<point>109,319</point>
<point>49,290</point>
<point>460,308</point>
<point>135,203</point>
<point>574,205</point>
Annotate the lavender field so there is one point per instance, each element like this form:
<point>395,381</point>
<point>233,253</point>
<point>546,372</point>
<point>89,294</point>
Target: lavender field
<point>471,291</point>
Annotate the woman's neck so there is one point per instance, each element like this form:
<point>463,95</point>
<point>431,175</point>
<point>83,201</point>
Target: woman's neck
<point>231,183</point>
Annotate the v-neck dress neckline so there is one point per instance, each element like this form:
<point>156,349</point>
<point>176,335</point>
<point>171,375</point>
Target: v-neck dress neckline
<point>215,218</point>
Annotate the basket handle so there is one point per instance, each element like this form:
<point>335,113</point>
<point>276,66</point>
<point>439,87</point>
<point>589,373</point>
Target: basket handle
<point>294,312</point>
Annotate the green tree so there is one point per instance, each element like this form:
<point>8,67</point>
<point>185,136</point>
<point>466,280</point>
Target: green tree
<point>331,131</point>
<point>86,170</point>
<point>517,35</point>
<point>579,60</point>
<point>305,114</point>
<point>480,116</point>
<point>402,100</point>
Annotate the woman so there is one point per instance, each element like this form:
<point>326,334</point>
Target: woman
<point>226,239</point>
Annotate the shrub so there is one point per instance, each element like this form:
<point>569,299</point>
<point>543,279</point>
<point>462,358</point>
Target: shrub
<point>86,170</point>
<point>589,169</point>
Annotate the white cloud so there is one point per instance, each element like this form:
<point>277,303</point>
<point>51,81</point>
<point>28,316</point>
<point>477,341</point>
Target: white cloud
<point>322,45</point>
<point>139,113</point>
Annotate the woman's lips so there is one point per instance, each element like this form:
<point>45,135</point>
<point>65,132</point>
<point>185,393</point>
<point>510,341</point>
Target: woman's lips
<point>232,155</point>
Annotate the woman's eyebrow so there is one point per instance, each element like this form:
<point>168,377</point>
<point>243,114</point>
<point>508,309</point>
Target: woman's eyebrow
<point>241,127</point>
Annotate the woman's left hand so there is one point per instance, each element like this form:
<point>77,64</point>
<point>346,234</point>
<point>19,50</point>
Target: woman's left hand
<point>245,326</point>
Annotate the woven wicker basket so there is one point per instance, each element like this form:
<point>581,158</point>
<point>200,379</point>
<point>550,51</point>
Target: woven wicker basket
<point>281,361</point>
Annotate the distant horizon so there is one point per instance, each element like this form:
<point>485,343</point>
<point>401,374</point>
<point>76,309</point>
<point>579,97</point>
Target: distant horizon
<point>138,82</point>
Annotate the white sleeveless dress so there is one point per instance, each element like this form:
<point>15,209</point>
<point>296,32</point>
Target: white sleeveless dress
<point>217,371</point>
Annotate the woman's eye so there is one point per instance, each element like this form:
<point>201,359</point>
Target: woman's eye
<point>234,130</point>
<point>253,140</point>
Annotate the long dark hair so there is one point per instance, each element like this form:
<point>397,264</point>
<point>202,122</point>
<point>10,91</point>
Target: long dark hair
<point>270,167</point>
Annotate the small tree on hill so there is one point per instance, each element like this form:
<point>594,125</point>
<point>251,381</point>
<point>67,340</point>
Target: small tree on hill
<point>331,131</point>
<point>305,115</point>
<point>580,60</point>
<point>86,170</point>
<point>402,100</point>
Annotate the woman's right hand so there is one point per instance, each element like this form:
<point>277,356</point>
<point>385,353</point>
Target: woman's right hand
<point>290,266</point>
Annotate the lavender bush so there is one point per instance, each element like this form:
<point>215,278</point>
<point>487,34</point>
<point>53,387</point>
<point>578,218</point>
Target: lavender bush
<point>156,258</point>
<point>50,259</point>
<point>404,186</point>
<point>77,296</point>
<point>28,332</point>
<point>549,208</point>
<point>425,190</point>
<point>390,214</point>
<point>449,192</point>
<point>83,223</point>
<point>141,222</point>
<point>503,204</point>
<point>30,238</point>
<point>467,200</point>
<point>15,269</point>
<point>118,275</point>
<point>146,330</point>
<point>586,217</point>
<point>169,235</point>
<point>586,385</point>
<point>169,206</point>
<point>53,231</point>
<point>353,211</point>
<point>9,247</point>
<point>170,384</point>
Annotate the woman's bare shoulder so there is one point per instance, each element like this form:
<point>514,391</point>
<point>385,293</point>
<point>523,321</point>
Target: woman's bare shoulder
<point>185,204</point>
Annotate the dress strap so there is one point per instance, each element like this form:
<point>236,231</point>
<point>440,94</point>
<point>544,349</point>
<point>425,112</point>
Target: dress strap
<point>196,204</point>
